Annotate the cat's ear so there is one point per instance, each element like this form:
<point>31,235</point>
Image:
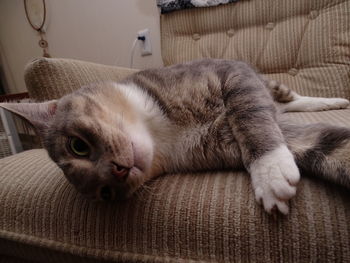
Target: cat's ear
<point>38,114</point>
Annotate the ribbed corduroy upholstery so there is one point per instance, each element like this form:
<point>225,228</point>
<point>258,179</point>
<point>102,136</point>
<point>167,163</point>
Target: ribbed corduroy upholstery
<point>48,79</point>
<point>304,44</point>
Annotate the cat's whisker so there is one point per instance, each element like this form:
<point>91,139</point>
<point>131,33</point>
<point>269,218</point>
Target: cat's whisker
<point>146,191</point>
<point>122,116</point>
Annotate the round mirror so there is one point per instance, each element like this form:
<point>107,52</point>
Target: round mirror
<point>36,13</point>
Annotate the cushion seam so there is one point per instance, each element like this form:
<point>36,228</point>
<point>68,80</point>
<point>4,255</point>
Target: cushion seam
<point>83,251</point>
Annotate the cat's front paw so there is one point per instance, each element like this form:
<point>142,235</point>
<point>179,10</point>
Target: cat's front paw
<point>274,178</point>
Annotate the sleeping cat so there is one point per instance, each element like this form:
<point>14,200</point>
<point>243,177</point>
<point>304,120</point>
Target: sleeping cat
<point>110,138</point>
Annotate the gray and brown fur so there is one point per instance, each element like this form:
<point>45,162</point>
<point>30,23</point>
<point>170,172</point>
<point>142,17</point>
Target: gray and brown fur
<point>215,114</point>
<point>233,112</point>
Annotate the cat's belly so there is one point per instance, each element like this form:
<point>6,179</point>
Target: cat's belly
<point>204,147</point>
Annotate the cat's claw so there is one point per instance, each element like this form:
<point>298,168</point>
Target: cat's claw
<point>274,178</point>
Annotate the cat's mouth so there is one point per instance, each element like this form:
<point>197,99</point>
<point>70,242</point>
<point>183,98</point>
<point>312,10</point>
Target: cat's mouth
<point>122,190</point>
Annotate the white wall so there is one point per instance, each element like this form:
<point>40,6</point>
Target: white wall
<point>100,31</point>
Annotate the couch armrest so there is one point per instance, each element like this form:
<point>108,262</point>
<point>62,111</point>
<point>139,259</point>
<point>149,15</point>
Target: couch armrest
<point>52,78</point>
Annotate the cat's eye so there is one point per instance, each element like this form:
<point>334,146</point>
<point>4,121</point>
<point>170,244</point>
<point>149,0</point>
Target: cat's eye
<point>79,147</point>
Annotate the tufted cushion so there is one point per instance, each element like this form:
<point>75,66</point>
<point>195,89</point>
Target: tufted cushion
<point>304,44</point>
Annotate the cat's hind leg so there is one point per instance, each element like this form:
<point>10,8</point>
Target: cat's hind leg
<point>251,114</point>
<point>288,100</point>
<point>304,103</point>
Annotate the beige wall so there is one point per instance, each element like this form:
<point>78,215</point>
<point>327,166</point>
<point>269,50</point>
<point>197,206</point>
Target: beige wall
<point>100,31</point>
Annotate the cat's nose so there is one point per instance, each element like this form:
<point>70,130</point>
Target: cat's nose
<point>119,171</point>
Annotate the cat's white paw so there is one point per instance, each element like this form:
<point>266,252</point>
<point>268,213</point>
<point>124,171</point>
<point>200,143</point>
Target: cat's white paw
<point>274,178</point>
<point>335,103</point>
<point>315,104</point>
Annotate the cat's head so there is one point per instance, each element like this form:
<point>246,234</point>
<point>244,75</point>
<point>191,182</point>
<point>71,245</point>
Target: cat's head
<point>96,137</point>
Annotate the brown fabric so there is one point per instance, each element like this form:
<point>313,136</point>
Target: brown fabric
<point>304,44</point>
<point>334,117</point>
<point>210,217</point>
<point>50,78</point>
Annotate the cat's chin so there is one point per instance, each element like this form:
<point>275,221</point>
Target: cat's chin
<point>135,180</point>
<point>142,145</point>
<point>143,155</point>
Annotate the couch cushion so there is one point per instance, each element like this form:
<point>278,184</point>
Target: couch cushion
<point>304,44</point>
<point>209,217</point>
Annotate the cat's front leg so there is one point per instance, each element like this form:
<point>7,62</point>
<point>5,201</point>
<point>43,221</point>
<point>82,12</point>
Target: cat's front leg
<point>274,177</point>
<point>251,116</point>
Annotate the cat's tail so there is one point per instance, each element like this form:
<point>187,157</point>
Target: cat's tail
<point>320,150</point>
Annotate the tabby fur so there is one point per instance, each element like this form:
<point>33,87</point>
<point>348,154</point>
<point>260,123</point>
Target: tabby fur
<point>203,115</point>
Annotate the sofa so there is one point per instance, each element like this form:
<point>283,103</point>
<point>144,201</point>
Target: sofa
<point>204,217</point>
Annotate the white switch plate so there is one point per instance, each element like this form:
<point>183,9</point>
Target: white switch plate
<point>146,47</point>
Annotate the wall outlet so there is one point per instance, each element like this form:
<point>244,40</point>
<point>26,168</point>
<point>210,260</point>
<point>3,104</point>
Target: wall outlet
<point>146,47</point>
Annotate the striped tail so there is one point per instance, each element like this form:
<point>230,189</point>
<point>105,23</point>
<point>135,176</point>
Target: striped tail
<point>321,150</point>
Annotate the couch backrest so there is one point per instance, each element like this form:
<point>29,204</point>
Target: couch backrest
<point>304,44</point>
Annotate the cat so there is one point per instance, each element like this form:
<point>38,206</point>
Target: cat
<point>110,138</point>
